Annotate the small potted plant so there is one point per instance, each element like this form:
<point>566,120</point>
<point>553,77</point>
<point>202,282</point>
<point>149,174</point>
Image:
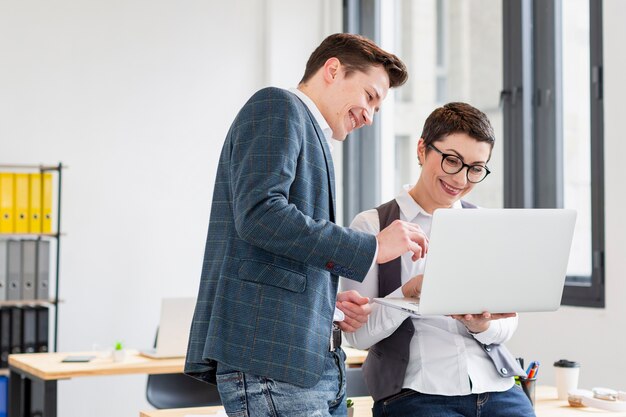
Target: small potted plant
<point>350,405</point>
<point>118,352</point>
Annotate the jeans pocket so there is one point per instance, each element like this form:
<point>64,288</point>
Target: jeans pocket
<point>231,386</point>
<point>399,396</point>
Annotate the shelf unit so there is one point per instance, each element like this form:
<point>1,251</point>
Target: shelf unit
<point>56,236</point>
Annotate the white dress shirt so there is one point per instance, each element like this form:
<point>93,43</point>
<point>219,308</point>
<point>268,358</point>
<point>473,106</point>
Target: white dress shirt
<point>443,355</point>
<point>328,134</point>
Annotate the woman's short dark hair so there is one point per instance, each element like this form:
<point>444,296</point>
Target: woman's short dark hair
<point>356,53</point>
<point>458,118</point>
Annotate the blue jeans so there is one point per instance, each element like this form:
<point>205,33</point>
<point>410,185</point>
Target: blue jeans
<point>248,395</point>
<point>408,403</point>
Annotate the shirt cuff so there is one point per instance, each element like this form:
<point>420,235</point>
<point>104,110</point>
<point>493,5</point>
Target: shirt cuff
<point>375,256</point>
<point>338,315</point>
<point>488,336</point>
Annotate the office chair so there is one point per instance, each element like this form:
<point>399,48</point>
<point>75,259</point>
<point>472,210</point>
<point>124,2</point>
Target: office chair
<point>179,391</point>
<point>355,384</point>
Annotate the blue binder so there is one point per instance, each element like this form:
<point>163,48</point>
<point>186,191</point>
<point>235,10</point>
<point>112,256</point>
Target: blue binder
<point>4,395</point>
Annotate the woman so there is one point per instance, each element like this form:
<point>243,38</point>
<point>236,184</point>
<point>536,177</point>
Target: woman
<point>435,366</point>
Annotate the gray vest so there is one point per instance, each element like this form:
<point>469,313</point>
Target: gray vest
<point>386,363</point>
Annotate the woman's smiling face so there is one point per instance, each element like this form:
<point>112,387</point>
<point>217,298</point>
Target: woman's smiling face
<point>440,188</point>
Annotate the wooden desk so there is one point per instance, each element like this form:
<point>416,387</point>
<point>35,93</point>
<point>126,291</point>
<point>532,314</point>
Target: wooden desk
<point>43,370</point>
<point>362,408</point>
<point>354,357</point>
<point>49,366</point>
<point>546,406</point>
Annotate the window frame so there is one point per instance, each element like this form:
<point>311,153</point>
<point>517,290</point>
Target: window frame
<point>533,176</point>
<point>533,142</point>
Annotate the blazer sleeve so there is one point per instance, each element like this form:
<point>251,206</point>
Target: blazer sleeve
<point>267,166</point>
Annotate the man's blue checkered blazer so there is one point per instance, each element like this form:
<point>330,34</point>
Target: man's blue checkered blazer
<point>273,254</point>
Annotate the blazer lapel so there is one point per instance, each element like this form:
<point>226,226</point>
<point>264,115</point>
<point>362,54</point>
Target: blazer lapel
<point>329,164</point>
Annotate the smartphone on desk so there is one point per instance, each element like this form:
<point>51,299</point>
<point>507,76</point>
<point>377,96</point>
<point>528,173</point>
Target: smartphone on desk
<point>78,358</point>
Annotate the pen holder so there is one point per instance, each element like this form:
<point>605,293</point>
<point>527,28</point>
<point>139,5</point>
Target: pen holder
<point>528,386</point>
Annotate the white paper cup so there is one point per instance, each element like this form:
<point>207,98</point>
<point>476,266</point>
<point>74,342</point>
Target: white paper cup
<point>566,373</point>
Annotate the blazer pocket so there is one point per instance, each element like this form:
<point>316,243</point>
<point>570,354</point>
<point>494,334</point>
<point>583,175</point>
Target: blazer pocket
<point>276,276</point>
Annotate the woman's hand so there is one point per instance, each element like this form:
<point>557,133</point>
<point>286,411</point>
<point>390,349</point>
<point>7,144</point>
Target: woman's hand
<point>413,287</point>
<point>478,323</point>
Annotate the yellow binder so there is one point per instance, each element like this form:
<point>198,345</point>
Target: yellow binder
<point>34,206</point>
<point>6,202</point>
<point>20,199</point>
<point>46,203</point>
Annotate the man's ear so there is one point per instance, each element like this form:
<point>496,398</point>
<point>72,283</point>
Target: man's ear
<point>331,69</point>
<point>421,151</point>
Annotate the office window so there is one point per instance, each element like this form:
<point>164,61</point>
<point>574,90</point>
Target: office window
<point>583,168</point>
<point>577,131</point>
<point>553,119</point>
<point>535,68</point>
<point>453,51</point>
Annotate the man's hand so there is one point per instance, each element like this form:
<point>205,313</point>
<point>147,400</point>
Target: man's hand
<point>401,237</point>
<point>413,287</point>
<point>478,323</point>
<point>355,307</point>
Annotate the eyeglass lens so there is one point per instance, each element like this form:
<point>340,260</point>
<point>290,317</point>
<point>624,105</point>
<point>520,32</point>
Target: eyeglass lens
<point>452,164</point>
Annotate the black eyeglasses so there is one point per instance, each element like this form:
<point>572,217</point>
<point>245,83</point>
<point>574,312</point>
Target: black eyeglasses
<point>452,164</point>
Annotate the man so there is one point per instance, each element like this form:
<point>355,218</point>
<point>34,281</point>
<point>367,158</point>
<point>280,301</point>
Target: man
<point>263,324</point>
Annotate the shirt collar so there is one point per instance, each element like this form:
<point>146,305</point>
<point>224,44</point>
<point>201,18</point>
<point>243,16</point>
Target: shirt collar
<point>317,115</point>
<point>409,207</point>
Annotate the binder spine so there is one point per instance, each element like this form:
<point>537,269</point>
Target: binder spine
<point>29,329</point>
<point>42,329</point>
<point>20,200</point>
<point>16,330</point>
<point>14,270</point>
<point>6,202</point>
<point>43,270</point>
<point>29,267</point>
<point>5,336</point>
<point>3,269</point>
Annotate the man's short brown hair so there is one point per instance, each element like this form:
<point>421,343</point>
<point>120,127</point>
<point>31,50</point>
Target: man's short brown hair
<point>356,53</point>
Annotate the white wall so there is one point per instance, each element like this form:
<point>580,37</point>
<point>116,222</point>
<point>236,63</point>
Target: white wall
<point>136,96</point>
<point>595,337</point>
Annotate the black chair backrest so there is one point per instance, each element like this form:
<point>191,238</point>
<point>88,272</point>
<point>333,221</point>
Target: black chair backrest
<point>179,391</point>
<point>355,384</point>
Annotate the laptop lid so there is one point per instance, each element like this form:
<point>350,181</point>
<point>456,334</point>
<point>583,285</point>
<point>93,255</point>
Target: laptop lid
<point>174,325</point>
<point>496,260</point>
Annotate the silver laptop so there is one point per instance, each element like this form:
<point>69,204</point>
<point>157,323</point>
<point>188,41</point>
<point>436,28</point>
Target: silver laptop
<point>496,260</point>
<point>174,325</point>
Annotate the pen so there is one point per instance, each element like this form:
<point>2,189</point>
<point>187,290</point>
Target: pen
<point>533,371</point>
<point>536,369</point>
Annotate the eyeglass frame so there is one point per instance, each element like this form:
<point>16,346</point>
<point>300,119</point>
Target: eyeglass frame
<point>463,165</point>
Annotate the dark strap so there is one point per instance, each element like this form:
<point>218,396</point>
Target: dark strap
<point>386,362</point>
<point>389,273</point>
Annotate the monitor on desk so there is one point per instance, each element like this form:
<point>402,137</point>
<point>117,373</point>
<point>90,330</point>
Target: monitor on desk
<point>174,325</point>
